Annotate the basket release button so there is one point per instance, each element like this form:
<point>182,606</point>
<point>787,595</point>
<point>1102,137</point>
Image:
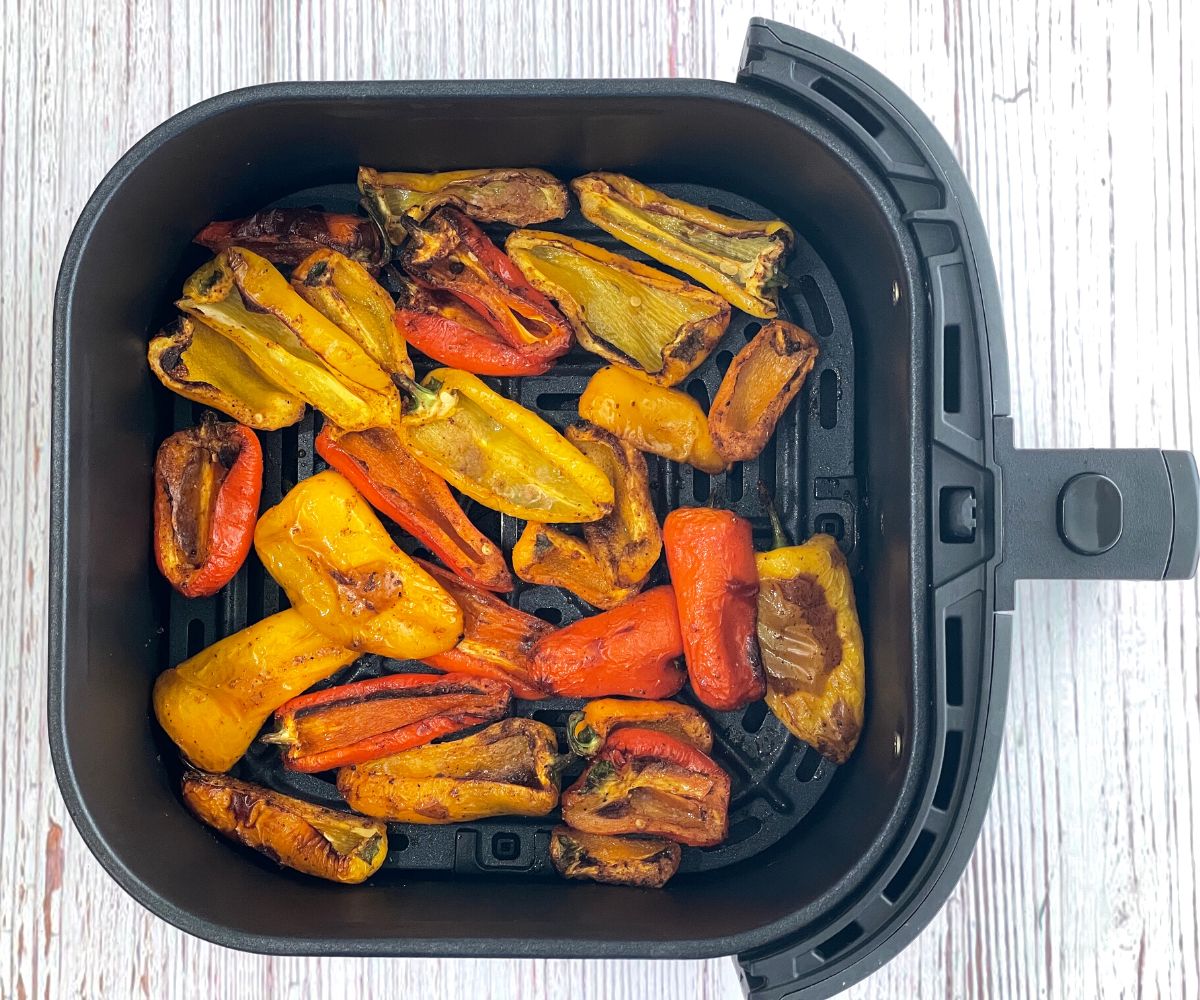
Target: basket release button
<point>1090,514</point>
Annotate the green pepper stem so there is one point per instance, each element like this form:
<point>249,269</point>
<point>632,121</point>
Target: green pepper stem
<point>558,764</point>
<point>414,395</point>
<point>584,740</point>
<point>779,536</point>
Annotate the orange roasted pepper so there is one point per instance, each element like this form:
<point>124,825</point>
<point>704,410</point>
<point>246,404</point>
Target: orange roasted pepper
<point>642,861</point>
<point>588,728</point>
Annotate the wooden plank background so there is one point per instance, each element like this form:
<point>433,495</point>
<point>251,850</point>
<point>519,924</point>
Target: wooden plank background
<point>1077,125</point>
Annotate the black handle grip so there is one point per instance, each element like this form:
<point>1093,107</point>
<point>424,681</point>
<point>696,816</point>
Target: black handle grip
<point>1113,514</point>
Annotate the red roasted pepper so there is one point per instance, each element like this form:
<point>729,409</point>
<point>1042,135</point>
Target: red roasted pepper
<point>710,555</point>
<point>396,484</point>
<point>497,641</point>
<point>452,254</point>
<point>355,723</point>
<point>207,482</point>
<point>632,650</point>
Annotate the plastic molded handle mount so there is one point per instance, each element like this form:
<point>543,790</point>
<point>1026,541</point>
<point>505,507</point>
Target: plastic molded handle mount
<point>1111,514</point>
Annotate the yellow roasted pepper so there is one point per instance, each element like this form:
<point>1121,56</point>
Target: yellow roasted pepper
<point>509,769</point>
<point>499,453</point>
<point>198,363</point>
<point>242,297</point>
<point>622,310</point>
<point>662,421</point>
<point>341,570</point>
<point>617,552</point>
<point>739,259</point>
<point>213,704</point>
<point>811,643</point>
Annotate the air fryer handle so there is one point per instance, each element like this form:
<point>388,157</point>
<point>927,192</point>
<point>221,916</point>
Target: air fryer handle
<point>1113,514</point>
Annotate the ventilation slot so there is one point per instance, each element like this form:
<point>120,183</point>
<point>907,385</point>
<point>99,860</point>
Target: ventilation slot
<point>700,486</point>
<point>750,330</point>
<point>830,948</point>
<point>195,637</point>
<point>558,401</point>
<point>733,482</point>
<point>908,871</point>
<point>850,104</point>
<point>827,398</point>
<point>754,717</point>
<point>808,765</point>
<point>724,359</point>
<point>397,842</point>
<point>952,369</point>
<point>950,761</point>
<point>551,615</point>
<point>822,320</point>
<point>954,660</point>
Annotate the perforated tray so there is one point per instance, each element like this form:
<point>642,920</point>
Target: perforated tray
<point>808,466</point>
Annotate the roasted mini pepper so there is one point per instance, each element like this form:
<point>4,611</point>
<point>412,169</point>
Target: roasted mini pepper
<point>509,769</point>
<point>499,453</point>
<point>341,570</point>
<point>199,364</point>
<point>285,236</point>
<point>588,728</point>
<point>343,291</point>
<point>649,782</point>
<point>622,310</point>
<point>761,381</point>
<point>642,861</point>
<point>740,259</point>
<point>618,552</point>
<point>379,466</point>
<point>207,481</point>
<point>498,639</point>
<point>632,650</point>
<point>662,421</point>
<point>452,254</point>
<point>243,298</point>
<point>710,555</point>
<point>450,331</point>
<point>520,197</point>
<point>354,723</point>
<point>328,843</point>
<point>811,642</point>
<point>213,704</point>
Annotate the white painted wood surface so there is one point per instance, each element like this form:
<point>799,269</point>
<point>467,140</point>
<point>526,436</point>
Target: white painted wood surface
<point>1077,126</point>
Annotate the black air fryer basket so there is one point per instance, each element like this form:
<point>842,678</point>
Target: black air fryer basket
<point>900,446</point>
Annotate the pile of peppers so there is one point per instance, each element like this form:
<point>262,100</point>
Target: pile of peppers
<point>302,307</point>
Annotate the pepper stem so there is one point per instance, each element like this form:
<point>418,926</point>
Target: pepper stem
<point>558,764</point>
<point>779,536</point>
<point>583,740</point>
<point>415,396</point>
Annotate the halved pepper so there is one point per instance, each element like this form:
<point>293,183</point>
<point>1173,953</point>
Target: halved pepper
<point>761,381</point>
<point>354,723</point>
<point>622,310</point>
<point>811,642</point>
<point>710,555</point>
<point>662,421</point>
<point>632,650</point>
<point>619,550</point>
<point>450,331</point>
<point>380,467</point>
<point>648,862</point>
<point>285,236</point>
<point>243,298</point>
<point>649,782</point>
<point>327,843</point>
<point>497,452</point>
<point>341,570</point>
<point>498,639</point>
<point>207,482</point>
<point>196,362</point>
<point>741,259</point>
<point>521,196</point>
<point>213,704</point>
<point>452,254</point>
<point>509,769</point>
<point>343,291</point>
<point>588,728</point>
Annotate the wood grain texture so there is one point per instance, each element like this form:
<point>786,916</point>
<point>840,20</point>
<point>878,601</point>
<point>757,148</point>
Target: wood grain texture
<point>1077,126</point>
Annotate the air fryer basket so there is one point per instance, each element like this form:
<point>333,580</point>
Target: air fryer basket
<point>899,445</point>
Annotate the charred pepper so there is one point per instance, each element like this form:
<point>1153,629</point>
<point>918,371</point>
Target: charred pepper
<point>588,728</point>
<point>632,650</point>
<point>740,259</point>
<point>341,570</point>
<point>761,381</point>
<point>497,452</point>
<point>662,421</point>
<point>207,481</point>
<point>622,310</point>
<point>648,862</point>
<point>649,782</point>
<point>328,843</point>
<point>710,555</point>
<point>509,769</point>
<point>285,236</point>
<point>354,723</point>
<point>379,466</point>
